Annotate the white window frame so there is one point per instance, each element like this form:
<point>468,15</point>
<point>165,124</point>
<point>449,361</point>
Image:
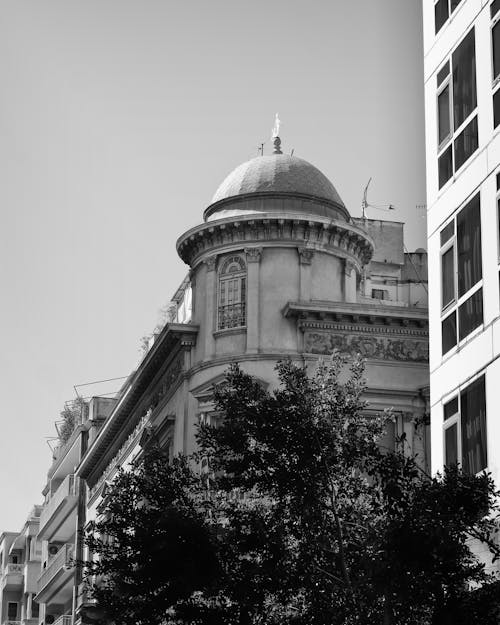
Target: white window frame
<point>450,13</point>
<point>454,305</point>
<point>456,419</point>
<point>453,134</point>
<point>242,276</point>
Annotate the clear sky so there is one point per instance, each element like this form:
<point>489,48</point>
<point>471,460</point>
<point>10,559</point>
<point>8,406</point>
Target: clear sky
<point>119,119</point>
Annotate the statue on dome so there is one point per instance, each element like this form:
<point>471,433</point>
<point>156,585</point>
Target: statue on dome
<point>276,128</point>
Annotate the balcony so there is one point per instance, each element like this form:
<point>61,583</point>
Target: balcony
<point>65,619</point>
<point>56,522</point>
<point>56,577</point>
<point>12,577</point>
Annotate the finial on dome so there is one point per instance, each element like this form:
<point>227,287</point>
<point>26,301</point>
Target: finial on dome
<point>275,135</point>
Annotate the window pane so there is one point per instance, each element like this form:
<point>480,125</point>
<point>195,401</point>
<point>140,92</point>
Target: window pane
<point>495,7</point>
<point>444,126</point>
<point>12,611</point>
<point>449,332</point>
<point>495,37</point>
<point>470,314</point>
<point>440,14</point>
<point>473,418</point>
<point>447,232</point>
<point>447,277</point>
<point>464,79</point>
<point>445,167</point>
<point>450,445</point>
<point>451,408</point>
<point>466,143</point>
<point>469,246</point>
<point>443,72</point>
<point>496,108</point>
<point>454,4</point>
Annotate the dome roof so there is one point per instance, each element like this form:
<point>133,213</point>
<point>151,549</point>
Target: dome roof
<point>277,173</point>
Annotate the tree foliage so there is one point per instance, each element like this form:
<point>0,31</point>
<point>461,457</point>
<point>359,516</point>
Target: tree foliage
<point>300,518</point>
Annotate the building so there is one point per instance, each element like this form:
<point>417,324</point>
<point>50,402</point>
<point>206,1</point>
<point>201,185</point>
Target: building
<point>20,555</point>
<point>462,110</point>
<point>278,268</point>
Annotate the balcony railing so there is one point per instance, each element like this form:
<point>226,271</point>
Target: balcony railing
<point>65,619</point>
<point>60,560</point>
<point>68,488</point>
<point>12,623</point>
<point>13,569</point>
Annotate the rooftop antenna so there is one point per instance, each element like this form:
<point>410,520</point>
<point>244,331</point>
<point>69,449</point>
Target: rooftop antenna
<point>261,149</point>
<point>293,150</point>
<point>365,204</point>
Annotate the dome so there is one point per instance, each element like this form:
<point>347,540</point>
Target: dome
<point>277,173</point>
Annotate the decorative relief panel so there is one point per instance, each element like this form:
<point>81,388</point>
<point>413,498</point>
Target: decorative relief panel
<point>383,348</point>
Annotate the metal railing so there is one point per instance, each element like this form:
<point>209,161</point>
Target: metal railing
<point>67,487</point>
<point>60,560</point>
<point>13,569</point>
<point>65,619</point>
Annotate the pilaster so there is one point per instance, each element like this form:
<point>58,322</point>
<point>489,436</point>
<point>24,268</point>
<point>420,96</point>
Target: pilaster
<point>210,306</point>
<point>305,262</point>
<point>253,256</point>
<point>349,281</point>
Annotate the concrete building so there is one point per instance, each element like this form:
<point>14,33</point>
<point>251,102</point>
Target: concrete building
<point>278,268</point>
<point>20,555</point>
<point>462,110</point>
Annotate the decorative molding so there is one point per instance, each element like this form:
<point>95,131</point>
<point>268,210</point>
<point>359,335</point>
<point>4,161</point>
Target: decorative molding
<point>253,254</point>
<point>210,262</point>
<point>371,347</point>
<point>305,255</point>
<point>348,267</point>
<point>336,237</point>
<point>307,324</point>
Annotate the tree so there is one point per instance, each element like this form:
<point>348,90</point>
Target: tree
<point>335,530</point>
<point>300,519</point>
<point>152,544</point>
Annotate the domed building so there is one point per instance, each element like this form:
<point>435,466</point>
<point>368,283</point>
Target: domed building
<point>278,268</point>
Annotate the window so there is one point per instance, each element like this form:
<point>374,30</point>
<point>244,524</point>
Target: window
<point>465,428</point>
<point>232,293</point>
<point>456,106</point>
<point>12,611</point>
<point>495,60</point>
<point>461,275</point>
<point>442,11</point>
<point>378,294</point>
<point>35,609</point>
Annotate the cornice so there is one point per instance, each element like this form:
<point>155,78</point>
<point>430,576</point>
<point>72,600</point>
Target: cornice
<point>363,316</point>
<point>174,338</point>
<point>276,229</point>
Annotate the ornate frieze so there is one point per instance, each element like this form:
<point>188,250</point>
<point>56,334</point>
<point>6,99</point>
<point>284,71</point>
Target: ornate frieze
<point>337,237</point>
<point>371,347</point>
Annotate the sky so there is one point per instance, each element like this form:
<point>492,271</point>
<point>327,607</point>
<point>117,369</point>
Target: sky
<point>118,121</point>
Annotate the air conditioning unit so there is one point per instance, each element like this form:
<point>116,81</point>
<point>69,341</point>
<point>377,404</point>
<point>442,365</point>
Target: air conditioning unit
<point>53,549</point>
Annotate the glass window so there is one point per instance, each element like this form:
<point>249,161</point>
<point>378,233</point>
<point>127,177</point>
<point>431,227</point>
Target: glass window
<point>443,73</point>
<point>496,108</point>
<point>12,611</point>
<point>470,314</point>
<point>232,294</point>
<point>461,275</point>
<point>495,7</point>
<point>444,126</point>
<point>445,166</point>
<point>451,445</point>
<point>473,425</point>
<point>441,14</point>
<point>466,144</point>
<point>448,276</point>
<point>463,62</point>
<point>469,246</point>
<point>449,332</point>
<point>451,408</point>
<point>495,42</point>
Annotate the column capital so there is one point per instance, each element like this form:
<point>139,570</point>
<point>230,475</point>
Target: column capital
<point>348,266</point>
<point>210,262</point>
<point>253,254</point>
<point>305,255</point>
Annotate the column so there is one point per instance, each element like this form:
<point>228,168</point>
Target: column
<point>253,255</point>
<point>349,281</point>
<point>210,306</point>
<point>305,262</point>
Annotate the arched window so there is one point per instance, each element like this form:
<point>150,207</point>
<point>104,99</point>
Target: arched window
<point>232,293</point>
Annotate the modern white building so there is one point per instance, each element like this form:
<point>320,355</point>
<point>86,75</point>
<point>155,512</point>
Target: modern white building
<point>462,120</point>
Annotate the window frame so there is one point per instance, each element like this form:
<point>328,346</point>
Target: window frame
<point>453,306</point>
<point>455,419</point>
<point>225,276</point>
<point>450,13</point>
<point>454,133</point>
